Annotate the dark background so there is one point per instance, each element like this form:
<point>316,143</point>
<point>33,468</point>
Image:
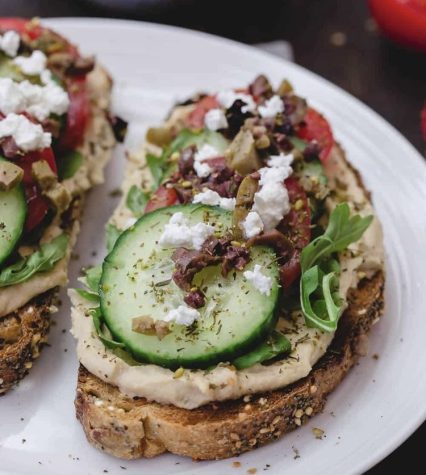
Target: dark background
<point>334,38</point>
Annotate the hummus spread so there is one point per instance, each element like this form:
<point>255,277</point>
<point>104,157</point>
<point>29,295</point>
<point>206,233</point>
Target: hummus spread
<point>197,387</point>
<point>96,149</point>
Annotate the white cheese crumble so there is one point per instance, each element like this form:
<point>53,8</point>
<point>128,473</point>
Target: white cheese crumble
<point>179,233</point>
<point>182,315</point>
<point>252,225</point>
<point>271,107</point>
<point>260,281</point>
<point>210,197</point>
<point>215,119</point>
<point>32,65</point>
<point>269,175</point>
<point>9,43</point>
<point>272,204</point>
<point>129,223</point>
<point>202,170</point>
<point>39,101</point>
<point>205,152</point>
<point>281,160</point>
<point>27,135</point>
<point>228,97</point>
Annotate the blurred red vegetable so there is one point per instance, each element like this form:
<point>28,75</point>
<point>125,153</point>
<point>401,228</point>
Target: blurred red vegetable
<point>403,21</point>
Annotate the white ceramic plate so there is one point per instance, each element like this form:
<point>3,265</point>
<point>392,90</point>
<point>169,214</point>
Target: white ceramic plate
<point>378,405</point>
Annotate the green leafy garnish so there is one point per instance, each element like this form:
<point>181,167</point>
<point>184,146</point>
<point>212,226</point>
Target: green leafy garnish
<point>93,277</point>
<point>341,231</point>
<point>136,200</point>
<point>112,234</point>
<point>42,260</point>
<point>69,164</point>
<point>319,283</point>
<point>157,167</point>
<point>91,296</point>
<point>275,345</point>
<point>101,330</point>
<point>297,143</point>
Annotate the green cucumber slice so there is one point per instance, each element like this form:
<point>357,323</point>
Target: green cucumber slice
<point>136,281</point>
<point>13,212</point>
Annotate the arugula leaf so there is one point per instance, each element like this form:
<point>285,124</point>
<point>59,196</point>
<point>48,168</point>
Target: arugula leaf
<point>69,164</point>
<point>91,296</point>
<point>136,200</point>
<point>93,277</point>
<point>42,260</point>
<point>341,231</point>
<point>327,305</point>
<point>319,283</point>
<point>112,234</point>
<point>157,168</point>
<point>105,338</point>
<point>275,345</point>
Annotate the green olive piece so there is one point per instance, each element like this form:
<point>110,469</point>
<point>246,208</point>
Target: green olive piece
<point>242,154</point>
<point>243,204</point>
<point>10,175</point>
<point>160,136</point>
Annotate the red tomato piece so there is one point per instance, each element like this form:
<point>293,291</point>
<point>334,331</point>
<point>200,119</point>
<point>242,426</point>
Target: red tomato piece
<point>38,205</point>
<point>403,21</point>
<point>161,198</point>
<point>78,114</point>
<point>22,26</point>
<point>317,128</point>
<point>195,119</point>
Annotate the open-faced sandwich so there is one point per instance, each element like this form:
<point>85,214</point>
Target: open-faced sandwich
<point>56,136</point>
<point>245,269</point>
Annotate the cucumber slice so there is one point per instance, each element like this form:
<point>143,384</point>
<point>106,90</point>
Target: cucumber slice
<point>136,281</point>
<point>13,212</point>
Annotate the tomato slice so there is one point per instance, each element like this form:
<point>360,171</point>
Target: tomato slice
<point>38,205</point>
<point>296,225</point>
<point>317,128</point>
<point>195,119</point>
<point>403,21</point>
<point>23,26</point>
<point>161,198</point>
<point>78,114</point>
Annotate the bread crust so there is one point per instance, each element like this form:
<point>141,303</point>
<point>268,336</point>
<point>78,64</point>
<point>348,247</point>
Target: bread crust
<point>134,428</point>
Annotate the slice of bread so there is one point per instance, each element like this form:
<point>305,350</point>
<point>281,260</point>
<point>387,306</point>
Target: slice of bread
<point>131,428</point>
<point>24,331</point>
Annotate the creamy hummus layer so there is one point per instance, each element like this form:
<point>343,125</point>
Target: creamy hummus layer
<point>96,149</point>
<point>197,387</point>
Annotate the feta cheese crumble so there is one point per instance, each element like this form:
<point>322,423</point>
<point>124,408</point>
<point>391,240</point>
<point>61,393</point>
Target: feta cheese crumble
<point>32,65</point>
<point>271,107</point>
<point>281,160</point>
<point>205,152</point>
<point>39,101</point>
<point>9,43</point>
<point>260,281</point>
<point>272,204</point>
<point>27,135</point>
<point>228,97</point>
<point>252,225</point>
<point>202,170</point>
<point>269,176</point>
<point>182,315</point>
<point>210,197</point>
<point>215,119</point>
<point>179,233</point>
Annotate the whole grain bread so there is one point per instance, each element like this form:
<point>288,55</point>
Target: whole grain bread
<point>132,428</point>
<point>24,332</point>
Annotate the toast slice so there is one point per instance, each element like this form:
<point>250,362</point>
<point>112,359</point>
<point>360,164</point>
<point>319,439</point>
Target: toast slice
<point>132,428</point>
<point>24,331</point>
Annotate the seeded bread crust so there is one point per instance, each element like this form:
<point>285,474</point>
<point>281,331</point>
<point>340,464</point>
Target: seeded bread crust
<point>24,332</point>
